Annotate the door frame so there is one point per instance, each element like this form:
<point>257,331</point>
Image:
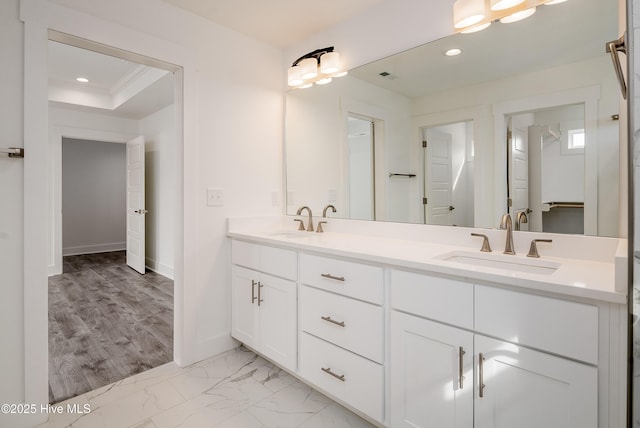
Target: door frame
<point>41,20</point>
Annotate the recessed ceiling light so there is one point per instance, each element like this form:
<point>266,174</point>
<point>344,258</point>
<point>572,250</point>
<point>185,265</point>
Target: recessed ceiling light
<point>453,52</point>
<point>82,79</point>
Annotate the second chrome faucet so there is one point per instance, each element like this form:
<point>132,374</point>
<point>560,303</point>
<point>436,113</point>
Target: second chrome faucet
<point>309,227</point>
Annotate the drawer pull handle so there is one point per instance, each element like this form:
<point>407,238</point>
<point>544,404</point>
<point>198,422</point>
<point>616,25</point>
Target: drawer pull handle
<point>460,366</point>
<point>329,276</point>
<point>328,371</point>
<point>253,291</point>
<point>332,321</point>
<point>481,375</point>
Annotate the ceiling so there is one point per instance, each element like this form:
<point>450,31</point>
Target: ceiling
<point>122,88</point>
<point>572,31</point>
<point>280,23</point>
<point>116,87</point>
<point>127,89</point>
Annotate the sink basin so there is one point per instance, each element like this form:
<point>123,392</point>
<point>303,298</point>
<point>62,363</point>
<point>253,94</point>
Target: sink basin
<point>502,261</point>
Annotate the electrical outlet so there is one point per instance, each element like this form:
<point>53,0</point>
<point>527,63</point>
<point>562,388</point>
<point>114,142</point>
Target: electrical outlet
<point>215,197</point>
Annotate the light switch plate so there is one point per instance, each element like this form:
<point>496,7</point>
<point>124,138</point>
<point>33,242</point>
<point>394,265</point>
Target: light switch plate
<point>215,197</point>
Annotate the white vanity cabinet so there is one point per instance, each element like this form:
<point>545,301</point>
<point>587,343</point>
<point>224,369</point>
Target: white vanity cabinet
<point>431,374</point>
<point>342,328</point>
<point>264,300</point>
<point>520,387</point>
<point>444,373</point>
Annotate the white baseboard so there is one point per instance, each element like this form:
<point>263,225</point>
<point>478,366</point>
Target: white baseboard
<point>162,269</point>
<point>92,249</point>
<point>213,346</point>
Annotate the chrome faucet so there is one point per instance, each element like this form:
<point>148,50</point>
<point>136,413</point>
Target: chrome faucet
<point>324,215</point>
<point>324,211</point>
<point>506,223</point>
<point>310,225</point>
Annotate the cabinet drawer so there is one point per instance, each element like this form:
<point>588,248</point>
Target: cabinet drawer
<point>349,377</point>
<point>271,260</point>
<point>350,324</point>
<point>351,279</point>
<point>440,299</point>
<point>558,326</point>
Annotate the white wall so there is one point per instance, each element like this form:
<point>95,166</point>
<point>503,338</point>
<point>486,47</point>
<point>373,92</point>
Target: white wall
<point>233,134</point>
<point>160,151</point>
<point>94,196</point>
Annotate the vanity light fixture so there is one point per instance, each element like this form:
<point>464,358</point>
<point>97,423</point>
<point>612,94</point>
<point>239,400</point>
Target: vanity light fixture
<point>82,79</point>
<point>319,67</point>
<point>518,16</point>
<point>475,28</point>
<point>504,4</point>
<point>467,12</point>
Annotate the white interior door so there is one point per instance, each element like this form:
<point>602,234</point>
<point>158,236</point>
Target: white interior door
<point>519,172</point>
<point>135,205</point>
<point>438,187</point>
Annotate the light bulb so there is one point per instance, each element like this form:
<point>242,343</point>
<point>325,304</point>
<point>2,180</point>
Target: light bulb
<point>518,16</point>
<point>330,63</point>
<point>308,68</point>
<point>467,13</point>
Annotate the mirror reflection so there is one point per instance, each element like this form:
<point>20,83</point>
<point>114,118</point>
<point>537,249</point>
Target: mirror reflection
<point>427,138</point>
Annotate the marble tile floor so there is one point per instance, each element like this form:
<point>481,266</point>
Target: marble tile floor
<point>236,389</point>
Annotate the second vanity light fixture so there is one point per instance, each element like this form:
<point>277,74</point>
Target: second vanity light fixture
<point>319,67</point>
<point>470,16</point>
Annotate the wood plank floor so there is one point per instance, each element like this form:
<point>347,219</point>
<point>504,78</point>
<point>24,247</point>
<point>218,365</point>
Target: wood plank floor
<point>106,322</point>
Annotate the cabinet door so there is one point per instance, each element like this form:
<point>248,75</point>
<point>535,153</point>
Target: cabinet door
<point>431,374</point>
<point>529,389</point>
<point>278,326</point>
<point>244,289</point>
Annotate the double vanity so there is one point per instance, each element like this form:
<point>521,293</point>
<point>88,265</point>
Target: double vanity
<point>414,326</point>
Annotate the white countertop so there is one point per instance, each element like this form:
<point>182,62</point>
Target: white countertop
<point>575,277</point>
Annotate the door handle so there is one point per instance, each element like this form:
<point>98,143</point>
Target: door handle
<point>253,291</point>
<point>451,208</point>
<point>481,384</point>
<point>141,211</point>
<point>260,299</point>
<point>613,47</point>
<point>461,366</point>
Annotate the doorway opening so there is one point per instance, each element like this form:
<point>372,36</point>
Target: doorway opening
<point>111,299</point>
<point>546,172</point>
<point>361,149</point>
